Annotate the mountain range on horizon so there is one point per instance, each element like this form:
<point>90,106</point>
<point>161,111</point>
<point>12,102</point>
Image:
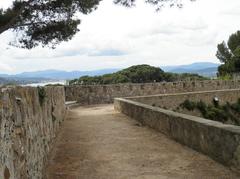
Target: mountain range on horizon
<point>207,69</point>
<point>59,74</point>
<point>203,68</point>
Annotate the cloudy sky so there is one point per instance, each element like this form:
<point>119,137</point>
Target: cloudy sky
<point>117,37</point>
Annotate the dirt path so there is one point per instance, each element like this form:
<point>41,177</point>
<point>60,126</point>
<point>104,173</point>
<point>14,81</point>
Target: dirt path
<point>100,143</point>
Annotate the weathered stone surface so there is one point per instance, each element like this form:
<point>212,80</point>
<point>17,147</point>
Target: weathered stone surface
<point>28,128</point>
<point>96,142</point>
<point>29,122</point>
<point>219,141</point>
<point>104,94</point>
<point>172,101</point>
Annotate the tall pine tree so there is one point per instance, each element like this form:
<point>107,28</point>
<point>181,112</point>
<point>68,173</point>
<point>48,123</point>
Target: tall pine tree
<point>229,54</point>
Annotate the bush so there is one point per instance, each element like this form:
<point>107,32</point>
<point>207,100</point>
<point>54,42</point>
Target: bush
<point>225,113</point>
<point>202,107</point>
<point>189,105</point>
<point>41,95</point>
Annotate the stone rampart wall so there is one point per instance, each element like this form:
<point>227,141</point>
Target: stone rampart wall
<point>29,121</point>
<point>218,141</point>
<point>172,101</point>
<point>101,94</point>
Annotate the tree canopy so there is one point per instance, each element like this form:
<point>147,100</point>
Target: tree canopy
<point>136,74</point>
<point>47,23</point>
<point>44,22</point>
<point>229,54</point>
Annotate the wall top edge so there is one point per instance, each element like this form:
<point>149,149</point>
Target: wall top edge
<point>159,83</point>
<point>210,123</point>
<point>184,93</point>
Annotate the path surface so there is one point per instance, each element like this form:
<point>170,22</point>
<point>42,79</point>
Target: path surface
<point>97,142</point>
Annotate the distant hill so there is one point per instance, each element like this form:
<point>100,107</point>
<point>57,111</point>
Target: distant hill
<point>136,74</point>
<point>5,81</point>
<point>58,74</point>
<point>203,68</point>
<point>20,81</point>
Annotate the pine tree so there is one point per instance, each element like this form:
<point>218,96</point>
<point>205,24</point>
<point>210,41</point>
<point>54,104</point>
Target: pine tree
<point>49,22</point>
<point>229,54</point>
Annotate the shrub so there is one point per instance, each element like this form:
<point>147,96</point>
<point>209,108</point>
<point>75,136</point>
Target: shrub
<point>41,95</point>
<point>215,102</point>
<point>189,105</point>
<point>202,107</point>
<point>225,113</point>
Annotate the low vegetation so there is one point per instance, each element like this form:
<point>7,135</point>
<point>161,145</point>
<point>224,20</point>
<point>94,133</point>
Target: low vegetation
<point>58,84</point>
<point>227,113</point>
<point>42,95</point>
<point>136,74</point>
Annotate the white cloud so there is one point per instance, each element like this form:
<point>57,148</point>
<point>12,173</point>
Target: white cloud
<point>5,68</point>
<point>5,3</point>
<point>114,36</point>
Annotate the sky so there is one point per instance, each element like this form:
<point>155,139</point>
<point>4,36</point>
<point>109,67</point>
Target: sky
<point>118,37</point>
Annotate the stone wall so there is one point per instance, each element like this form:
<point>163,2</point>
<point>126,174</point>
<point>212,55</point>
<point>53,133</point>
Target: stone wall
<point>218,141</point>
<point>172,101</point>
<point>29,120</point>
<point>100,94</point>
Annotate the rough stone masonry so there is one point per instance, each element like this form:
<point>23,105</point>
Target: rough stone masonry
<point>29,121</point>
<point>30,117</point>
<point>103,94</point>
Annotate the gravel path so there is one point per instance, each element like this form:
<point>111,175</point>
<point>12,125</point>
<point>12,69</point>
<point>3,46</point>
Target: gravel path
<point>100,143</point>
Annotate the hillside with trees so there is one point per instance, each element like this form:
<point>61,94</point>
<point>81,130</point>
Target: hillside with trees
<point>136,74</point>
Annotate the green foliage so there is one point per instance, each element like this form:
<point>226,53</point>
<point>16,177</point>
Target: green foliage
<point>225,77</point>
<point>142,74</point>
<point>201,106</point>
<point>229,55</point>
<point>58,84</point>
<point>157,3</point>
<point>44,22</point>
<point>189,105</point>
<point>236,106</point>
<point>222,113</point>
<point>171,77</point>
<point>41,95</point>
<point>136,74</point>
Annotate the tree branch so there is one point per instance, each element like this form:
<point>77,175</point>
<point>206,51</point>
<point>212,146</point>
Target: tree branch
<point>27,24</point>
<point>14,18</point>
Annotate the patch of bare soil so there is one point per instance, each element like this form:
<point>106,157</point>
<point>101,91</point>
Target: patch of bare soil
<point>97,142</point>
